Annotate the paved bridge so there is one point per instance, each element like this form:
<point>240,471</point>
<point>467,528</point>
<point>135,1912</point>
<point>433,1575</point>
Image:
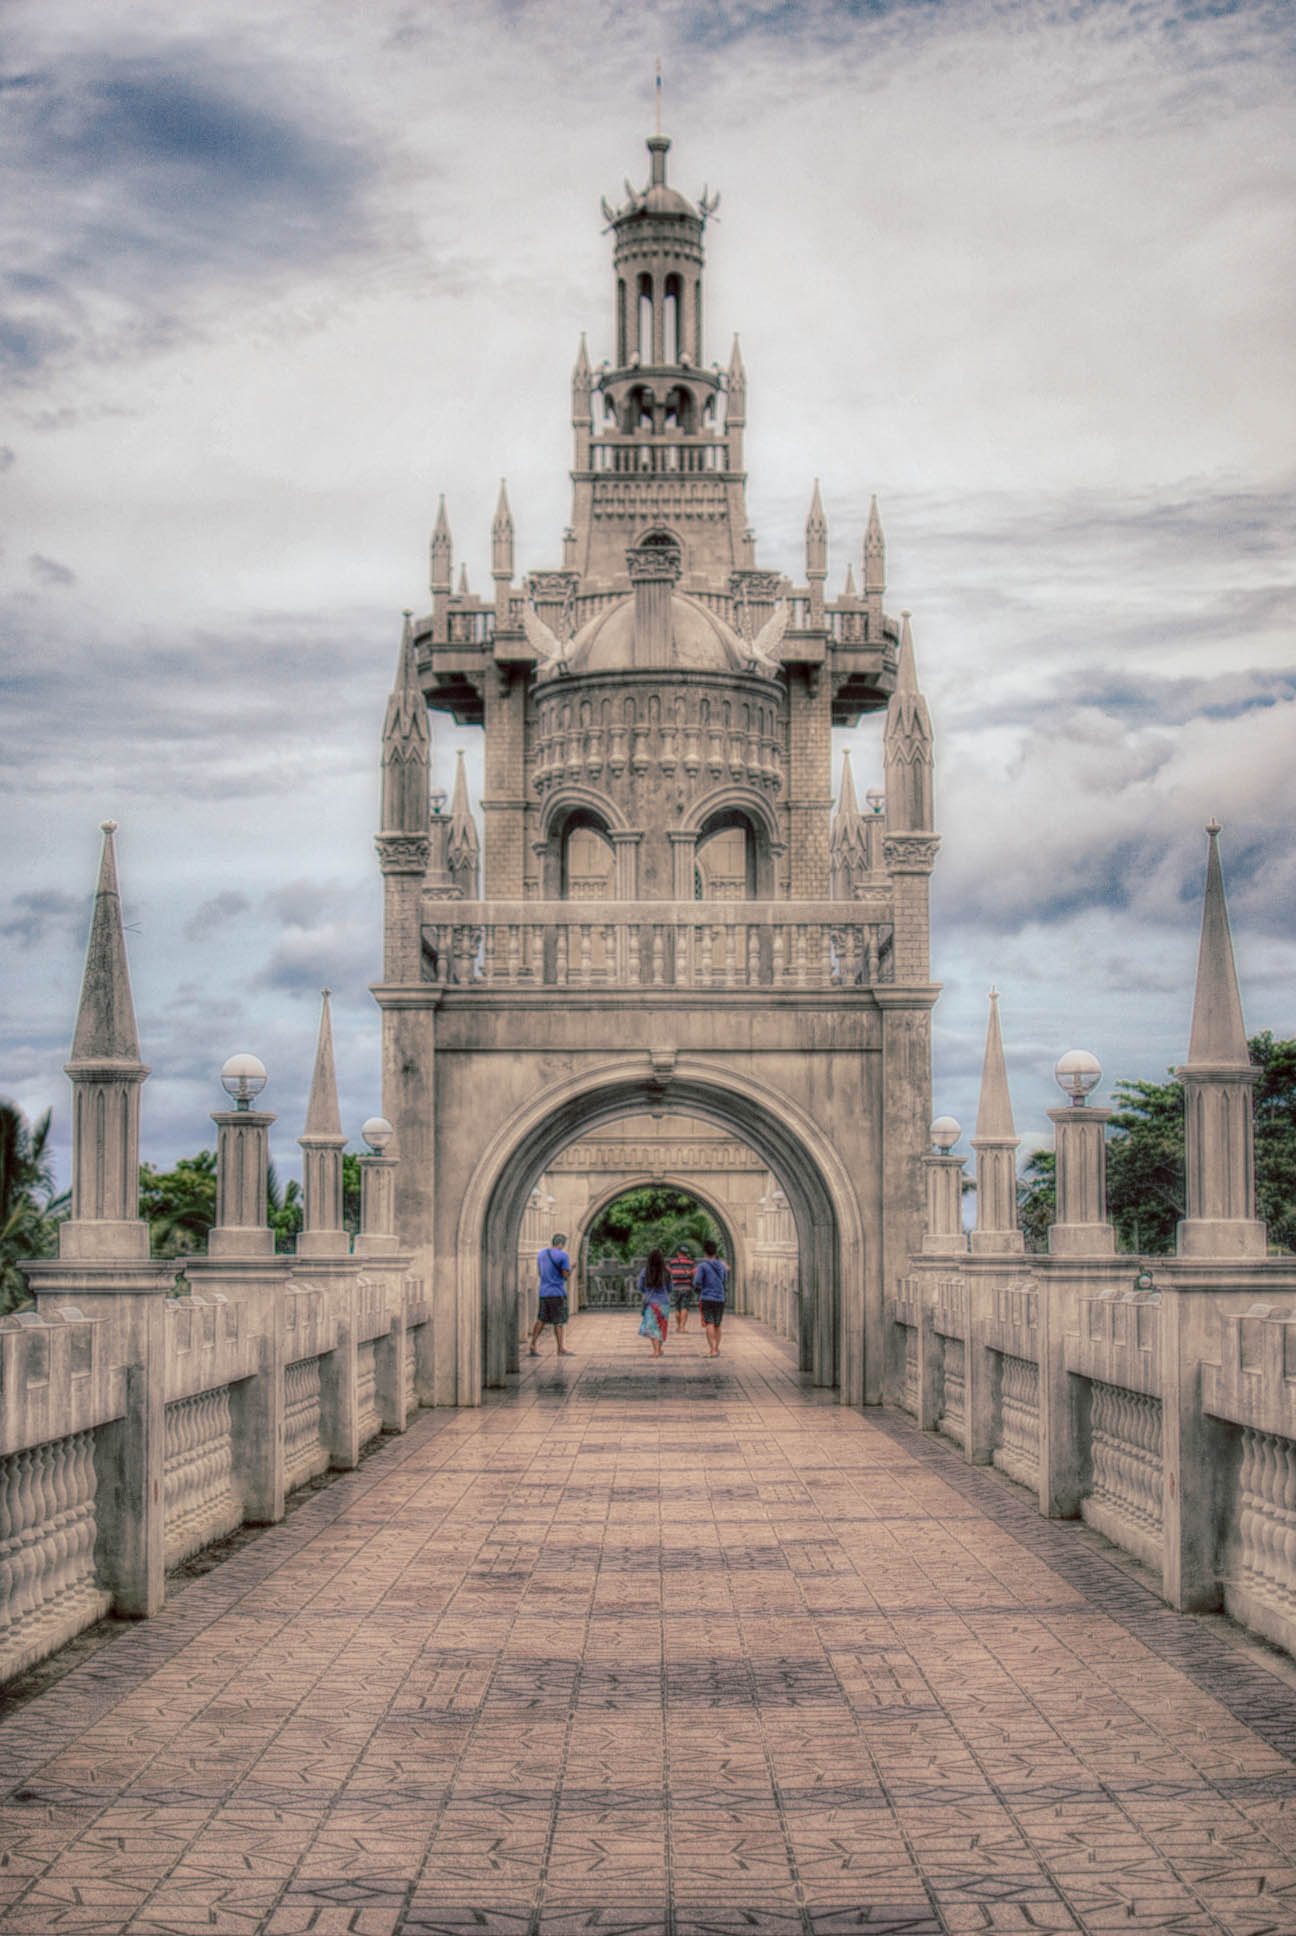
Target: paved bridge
<point>653,1647</point>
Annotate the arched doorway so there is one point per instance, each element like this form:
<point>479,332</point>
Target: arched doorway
<point>730,1247</point>
<point>820,1194</point>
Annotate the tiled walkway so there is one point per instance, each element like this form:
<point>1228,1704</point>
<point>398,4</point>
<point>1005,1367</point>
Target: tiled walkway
<point>640,1647</point>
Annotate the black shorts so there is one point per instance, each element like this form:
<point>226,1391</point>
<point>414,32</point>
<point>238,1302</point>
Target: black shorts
<point>713,1310</point>
<point>553,1310</point>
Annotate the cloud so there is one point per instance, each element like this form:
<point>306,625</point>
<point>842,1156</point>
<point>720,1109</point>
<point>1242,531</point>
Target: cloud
<point>135,177</point>
<point>48,571</point>
<point>214,914</point>
<point>39,916</point>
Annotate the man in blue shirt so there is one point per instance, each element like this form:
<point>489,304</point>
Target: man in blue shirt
<point>709,1280</point>
<point>555,1269</point>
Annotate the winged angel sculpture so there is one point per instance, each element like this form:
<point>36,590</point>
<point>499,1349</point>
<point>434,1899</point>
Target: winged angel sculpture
<point>764,648</point>
<point>548,647</point>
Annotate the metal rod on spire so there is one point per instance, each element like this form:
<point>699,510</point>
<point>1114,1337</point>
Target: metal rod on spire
<point>659,95</point>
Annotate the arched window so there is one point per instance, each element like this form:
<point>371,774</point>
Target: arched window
<point>588,860</point>
<point>622,346</point>
<point>671,319</point>
<point>725,868</point>
<point>645,319</point>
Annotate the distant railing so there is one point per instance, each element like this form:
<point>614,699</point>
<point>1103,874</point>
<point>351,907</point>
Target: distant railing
<point>643,459</point>
<point>786,945</point>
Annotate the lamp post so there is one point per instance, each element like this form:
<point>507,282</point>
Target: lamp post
<point>377,1236</point>
<point>242,1152</point>
<point>1079,1140</point>
<point>943,1230</point>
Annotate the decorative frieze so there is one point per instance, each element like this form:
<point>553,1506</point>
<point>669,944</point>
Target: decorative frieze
<point>661,1153</point>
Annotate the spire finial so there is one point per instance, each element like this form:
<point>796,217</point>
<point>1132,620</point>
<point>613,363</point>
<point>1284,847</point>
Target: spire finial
<point>658,92</point>
<point>994,1112</point>
<point>105,1024</point>
<point>322,1115</point>
<point>1218,1035</point>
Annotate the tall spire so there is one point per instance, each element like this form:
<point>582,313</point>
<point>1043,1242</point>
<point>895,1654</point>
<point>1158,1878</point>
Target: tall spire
<point>908,747</point>
<point>874,580</point>
<point>322,1115</point>
<point>816,542</point>
<point>502,536</point>
<point>995,1143</point>
<point>1218,1078</point>
<point>407,746</point>
<point>322,1142</point>
<point>462,846</point>
<point>106,1072</point>
<point>1218,1037</point>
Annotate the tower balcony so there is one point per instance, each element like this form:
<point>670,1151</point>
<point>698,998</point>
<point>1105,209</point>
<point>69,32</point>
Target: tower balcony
<point>791,947</point>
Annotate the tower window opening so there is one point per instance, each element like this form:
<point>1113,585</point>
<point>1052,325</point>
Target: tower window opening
<point>588,860</point>
<point>622,345</point>
<point>672,331</point>
<point>645,319</point>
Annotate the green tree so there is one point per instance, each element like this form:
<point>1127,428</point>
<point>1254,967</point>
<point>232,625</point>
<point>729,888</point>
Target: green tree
<point>286,1209</point>
<point>351,1193</point>
<point>30,1208</point>
<point>179,1204</point>
<point>651,1217</point>
<point>1145,1159</point>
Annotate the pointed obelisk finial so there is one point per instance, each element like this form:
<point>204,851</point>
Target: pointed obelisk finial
<point>1218,1036</point>
<point>1218,1078</point>
<point>442,573</point>
<point>462,845</point>
<point>322,1143</point>
<point>874,580</point>
<point>848,590</point>
<point>995,1143</point>
<point>848,844</point>
<point>502,539</point>
<point>106,1072</point>
<point>907,740</point>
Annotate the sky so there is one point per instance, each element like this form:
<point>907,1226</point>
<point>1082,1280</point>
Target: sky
<point>276,275</point>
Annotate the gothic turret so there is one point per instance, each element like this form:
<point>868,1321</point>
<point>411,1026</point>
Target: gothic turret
<point>995,1143</point>
<point>462,847</point>
<point>106,1073</point>
<point>441,574</point>
<point>874,571</point>
<point>816,543</point>
<point>849,844</point>
<point>908,743</point>
<point>502,555</point>
<point>1218,1078</point>
<point>407,744</point>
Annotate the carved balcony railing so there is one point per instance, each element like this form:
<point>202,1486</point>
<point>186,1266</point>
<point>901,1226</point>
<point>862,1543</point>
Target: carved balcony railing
<point>786,945</point>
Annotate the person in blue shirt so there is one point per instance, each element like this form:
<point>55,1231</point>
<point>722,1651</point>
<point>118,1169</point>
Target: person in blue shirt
<point>709,1281</point>
<point>555,1269</point>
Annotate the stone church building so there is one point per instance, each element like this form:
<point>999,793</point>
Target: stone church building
<point>664,916</point>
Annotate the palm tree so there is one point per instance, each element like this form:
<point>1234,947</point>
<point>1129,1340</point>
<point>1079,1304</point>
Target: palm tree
<point>30,1208</point>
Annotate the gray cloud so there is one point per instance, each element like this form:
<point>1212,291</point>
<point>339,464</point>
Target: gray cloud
<point>133,176</point>
<point>214,914</point>
<point>42,914</point>
<point>48,571</point>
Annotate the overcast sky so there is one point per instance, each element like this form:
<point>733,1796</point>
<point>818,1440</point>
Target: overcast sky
<point>274,275</point>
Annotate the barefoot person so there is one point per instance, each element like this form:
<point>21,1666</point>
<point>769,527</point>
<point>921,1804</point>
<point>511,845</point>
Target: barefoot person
<point>555,1269</point>
<point>710,1279</point>
<point>654,1289</point>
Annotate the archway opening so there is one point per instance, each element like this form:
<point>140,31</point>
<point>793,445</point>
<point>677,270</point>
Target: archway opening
<point>620,1237</point>
<point>789,1214</point>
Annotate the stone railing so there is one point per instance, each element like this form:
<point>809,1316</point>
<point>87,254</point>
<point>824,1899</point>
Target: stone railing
<point>137,1429</point>
<point>1162,1415</point>
<point>781,945</point>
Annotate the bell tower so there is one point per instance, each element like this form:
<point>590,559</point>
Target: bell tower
<point>654,926</point>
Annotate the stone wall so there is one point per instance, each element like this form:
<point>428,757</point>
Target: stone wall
<point>1161,1413</point>
<point>131,1437</point>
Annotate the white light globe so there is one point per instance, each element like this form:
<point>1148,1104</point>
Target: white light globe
<point>945,1132</point>
<point>242,1078</point>
<point>1077,1072</point>
<point>377,1132</point>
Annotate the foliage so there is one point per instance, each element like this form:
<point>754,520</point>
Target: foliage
<point>30,1208</point>
<point>649,1218</point>
<point>179,1205</point>
<point>1145,1159</point>
<point>286,1209</point>
<point>351,1193</point>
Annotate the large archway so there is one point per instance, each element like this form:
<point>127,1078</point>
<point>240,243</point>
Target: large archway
<point>820,1194</point>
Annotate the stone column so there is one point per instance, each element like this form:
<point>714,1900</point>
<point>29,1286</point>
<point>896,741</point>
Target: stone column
<point>944,1230</point>
<point>377,1236</point>
<point>1079,1139</point>
<point>242,1153</point>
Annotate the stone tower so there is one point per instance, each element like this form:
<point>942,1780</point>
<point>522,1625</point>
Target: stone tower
<point>658,925</point>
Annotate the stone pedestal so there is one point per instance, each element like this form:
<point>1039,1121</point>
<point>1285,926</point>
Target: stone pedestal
<point>1081,1228</point>
<point>242,1152</point>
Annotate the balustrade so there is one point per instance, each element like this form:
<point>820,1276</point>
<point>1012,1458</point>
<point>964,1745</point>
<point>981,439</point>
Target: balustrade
<point>200,1499</point>
<point>952,1420</point>
<point>1017,1453</point>
<point>786,945</point>
<point>47,1548</point>
<point>368,1414</point>
<point>305,1453</point>
<point>909,1386</point>
<point>1124,1501</point>
<point>1264,1554</point>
